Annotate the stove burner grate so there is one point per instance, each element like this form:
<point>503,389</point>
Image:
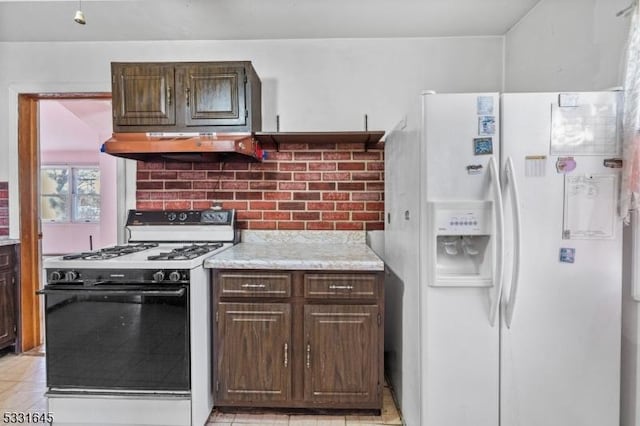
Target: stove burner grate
<point>186,252</point>
<point>110,252</point>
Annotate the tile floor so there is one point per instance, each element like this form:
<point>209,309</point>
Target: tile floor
<point>389,416</point>
<point>22,383</point>
<point>22,387</point>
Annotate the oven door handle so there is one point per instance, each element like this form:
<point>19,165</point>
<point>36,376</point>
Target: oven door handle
<point>158,293</point>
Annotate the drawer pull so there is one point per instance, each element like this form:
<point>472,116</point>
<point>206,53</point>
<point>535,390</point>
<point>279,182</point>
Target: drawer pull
<point>286,355</point>
<point>340,287</point>
<point>308,355</point>
<point>254,286</point>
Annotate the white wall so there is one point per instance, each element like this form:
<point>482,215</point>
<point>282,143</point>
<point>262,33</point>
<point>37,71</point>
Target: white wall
<point>567,45</point>
<point>311,84</point>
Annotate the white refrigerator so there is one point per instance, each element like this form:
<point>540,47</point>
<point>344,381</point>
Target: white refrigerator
<point>630,401</point>
<point>504,254</point>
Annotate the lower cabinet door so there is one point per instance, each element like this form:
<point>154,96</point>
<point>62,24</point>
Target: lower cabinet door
<point>254,352</point>
<point>7,317</point>
<point>341,353</point>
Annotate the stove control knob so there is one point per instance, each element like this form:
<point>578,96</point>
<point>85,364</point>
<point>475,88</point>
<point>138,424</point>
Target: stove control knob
<point>56,276</point>
<point>171,216</point>
<point>174,276</point>
<point>158,276</point>
<point>71,276</point>
<point>182,216</point>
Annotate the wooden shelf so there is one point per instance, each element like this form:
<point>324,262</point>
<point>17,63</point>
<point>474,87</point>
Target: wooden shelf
<point>224,146</point>
<point>368,138</point>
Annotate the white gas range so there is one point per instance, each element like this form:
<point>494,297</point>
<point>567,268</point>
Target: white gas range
<point>128,328</point>
<point>164,239</point>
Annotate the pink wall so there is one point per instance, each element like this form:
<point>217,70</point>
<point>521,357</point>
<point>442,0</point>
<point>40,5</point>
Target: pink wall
<point>4,209</point>
<point>71,133</point>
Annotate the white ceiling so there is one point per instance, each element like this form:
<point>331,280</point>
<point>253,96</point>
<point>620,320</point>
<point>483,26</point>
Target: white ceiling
<point>107,20</point>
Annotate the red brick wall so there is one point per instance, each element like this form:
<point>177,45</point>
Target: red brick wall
<point>299,187</point>
<point>4,209</point>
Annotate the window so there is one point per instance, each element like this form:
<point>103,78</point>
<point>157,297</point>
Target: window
<point>70,194</point>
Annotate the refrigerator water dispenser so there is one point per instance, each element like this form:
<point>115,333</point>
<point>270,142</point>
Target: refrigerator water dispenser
<point>462,253</point>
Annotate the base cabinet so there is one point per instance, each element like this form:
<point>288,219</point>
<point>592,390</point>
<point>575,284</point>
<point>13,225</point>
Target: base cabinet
<point>340,353</point>
<point>253,345</point>
<point>298,339</point>
<point>8,296</point>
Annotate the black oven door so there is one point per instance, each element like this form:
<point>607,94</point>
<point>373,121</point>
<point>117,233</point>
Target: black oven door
<point>117,337</point>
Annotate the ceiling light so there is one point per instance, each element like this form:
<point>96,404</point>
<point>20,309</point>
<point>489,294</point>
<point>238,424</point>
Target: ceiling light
<point>79,16</point>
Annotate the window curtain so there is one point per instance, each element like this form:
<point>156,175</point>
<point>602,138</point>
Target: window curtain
<point>630,187</point>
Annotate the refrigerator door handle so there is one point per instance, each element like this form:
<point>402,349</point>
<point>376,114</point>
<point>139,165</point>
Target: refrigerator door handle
<point>499,265</point>
<point>510,182</point>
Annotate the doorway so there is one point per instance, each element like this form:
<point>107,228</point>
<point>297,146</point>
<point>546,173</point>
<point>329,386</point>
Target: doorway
<point>76,179</point>
<point>29,167</point>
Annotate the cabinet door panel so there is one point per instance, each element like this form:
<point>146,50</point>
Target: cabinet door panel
<point>254,349</point>
<point>341,353</point>
<point>143,94</point>
<point>7,317</point>
<point>214,95</point>
<point>6,256</point>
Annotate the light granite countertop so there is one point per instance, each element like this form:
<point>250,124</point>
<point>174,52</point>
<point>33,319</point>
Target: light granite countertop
<point>4,241</point>
<point>297,256</point>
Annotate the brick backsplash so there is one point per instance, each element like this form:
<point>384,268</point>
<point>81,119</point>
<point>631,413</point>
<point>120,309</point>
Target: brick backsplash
<point>297,187</point>
<point>4,209</point>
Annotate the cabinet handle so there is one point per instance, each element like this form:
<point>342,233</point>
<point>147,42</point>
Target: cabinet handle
<point>187,92</point>
<point>340,287</point>
<point>286,355</point>
<point>308,355</point>
<point>168,95</point>
<point>254,286</point>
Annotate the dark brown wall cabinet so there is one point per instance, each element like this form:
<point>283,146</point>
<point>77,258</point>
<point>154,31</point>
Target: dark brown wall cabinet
<point>8,296</point>
<point>186,97</point>
<point>298,339</point>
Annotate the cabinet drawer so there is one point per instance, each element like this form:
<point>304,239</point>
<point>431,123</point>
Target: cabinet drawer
<point>6,256</point>
<point>340,286</point>
<point>255,284</point>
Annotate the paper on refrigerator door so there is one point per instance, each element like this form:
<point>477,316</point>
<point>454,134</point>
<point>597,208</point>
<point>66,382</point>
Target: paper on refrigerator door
<point>486,125</point>
<point>584,130</point>
<point>484,105</point>
<point>589,206</point>
<point>535,165</point>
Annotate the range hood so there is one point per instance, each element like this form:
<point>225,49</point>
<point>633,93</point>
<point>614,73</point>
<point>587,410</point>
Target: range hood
<point>191,147</point>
